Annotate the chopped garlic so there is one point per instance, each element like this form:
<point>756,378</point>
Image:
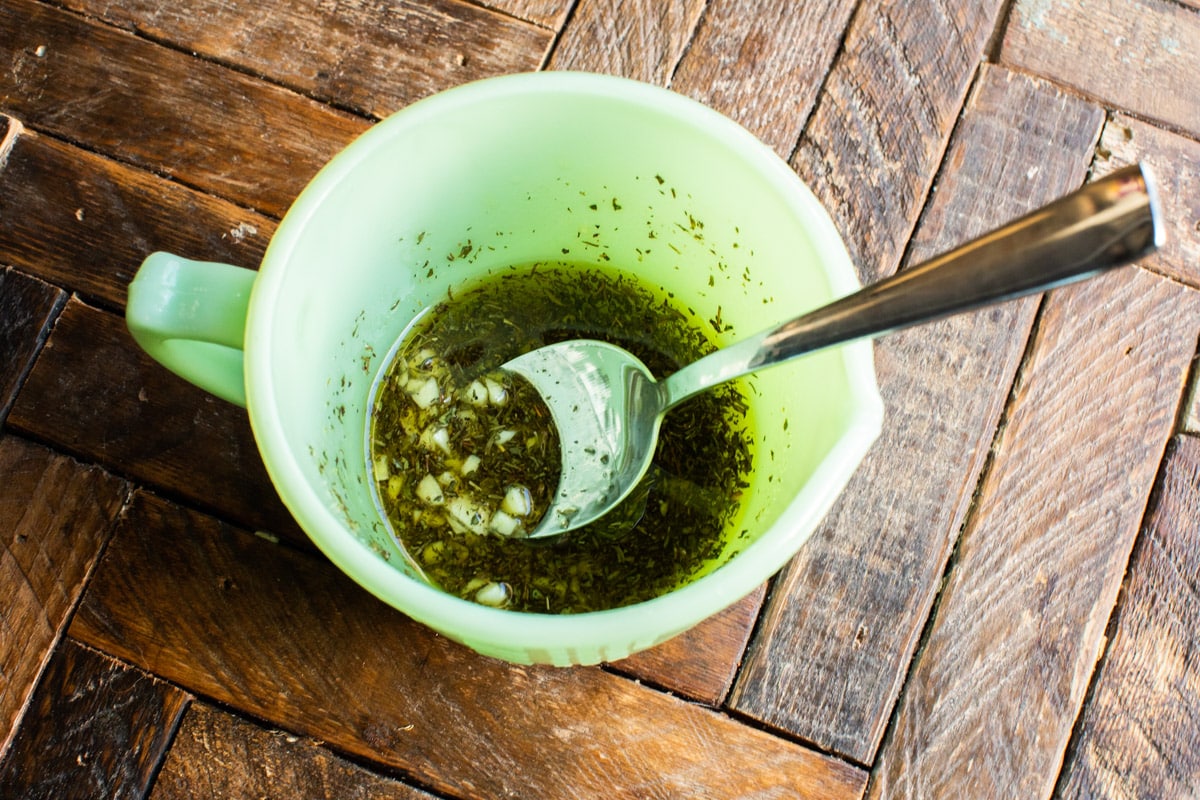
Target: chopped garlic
<point>517,501</point>
<point>504,437</point>
<point>426,394</point>
<point>382,471</point>
<point>436,437</point>
<point>424,359</point>
<point>494,594</point>
<point>504,524</point>
<point>430,491</point>
<point>477,394</point>
<point>470,464</point>
<point>468,515</point>
<point>474,584</point>
<point>497,394</point>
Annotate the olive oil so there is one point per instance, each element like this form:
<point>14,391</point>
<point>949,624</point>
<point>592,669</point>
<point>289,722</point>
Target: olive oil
<point>455,494</point>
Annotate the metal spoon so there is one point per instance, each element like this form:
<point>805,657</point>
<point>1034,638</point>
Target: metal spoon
<point>607,406</point>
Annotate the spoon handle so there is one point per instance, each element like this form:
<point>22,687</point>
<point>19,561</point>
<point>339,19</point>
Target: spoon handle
<point>1108,223</point>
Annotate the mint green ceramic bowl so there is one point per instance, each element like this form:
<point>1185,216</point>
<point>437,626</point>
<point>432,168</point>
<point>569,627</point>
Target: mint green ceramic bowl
<point>503,167</point>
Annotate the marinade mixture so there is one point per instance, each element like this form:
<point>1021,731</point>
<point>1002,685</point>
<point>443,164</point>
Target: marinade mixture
<point>465,456</point>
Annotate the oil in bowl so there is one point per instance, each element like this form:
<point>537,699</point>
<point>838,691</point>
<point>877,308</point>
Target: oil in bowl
<point>465,456</point>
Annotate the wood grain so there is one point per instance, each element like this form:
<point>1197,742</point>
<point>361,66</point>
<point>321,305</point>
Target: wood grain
<point>989,705</point>
<point>701,663</point>
<point>95,728</point>
<point>301,647</point>
<point>640,39</point>
<point>1138,735</point>
<point>217,755</point>
<point>1175,163</point>
<point>1139,55</point>
<point>763,64</point>
<point>549,13</point>
<point>858,593</point>
<point>95,393</point>
<point>161,109</point>
<point>27,309</point>
<point>882,121</point>
<point>55,516</point>
<point>85,222</point>
<point>373,58</point>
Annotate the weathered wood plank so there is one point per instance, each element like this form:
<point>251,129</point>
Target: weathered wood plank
<point>85,222</point>
<point>27,309</point>
<point>303,648</point>
<point>882,121</point>
<point>1139,733</point>
<point>95,728</point>
<point>857,595</point>
<point>161,109</point>
<point>217,755</point>
<point>1138,55</point>
<point>763,63</point>
<point>989,705</point>
<point>548,13</point>
<point>1175,162</point>
<point>641,39</point>
<point>55,516</point>
<point>95,393</point>
<point>374,58</point>
<point>701,663</point>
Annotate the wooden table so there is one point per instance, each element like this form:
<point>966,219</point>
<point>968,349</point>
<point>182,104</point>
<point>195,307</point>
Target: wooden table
<point>1005,602</point>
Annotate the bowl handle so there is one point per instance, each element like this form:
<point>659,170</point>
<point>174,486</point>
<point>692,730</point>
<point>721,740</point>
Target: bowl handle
<point>190,316</point>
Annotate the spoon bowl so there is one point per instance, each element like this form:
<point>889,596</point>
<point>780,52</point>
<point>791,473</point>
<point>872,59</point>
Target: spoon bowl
<point>608,408</point>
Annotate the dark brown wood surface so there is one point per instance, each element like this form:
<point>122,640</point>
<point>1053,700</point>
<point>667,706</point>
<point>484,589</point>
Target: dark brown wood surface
<point>55,517</point>
<point>391,691</point>
<point>27,308</point>
<point>1002,604</point>
<point>95,728</point>
<point>373,58</point>
<point>112,215</point>
<point>95,394</point>
<point>217,754</point>
<point>164,110</point>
